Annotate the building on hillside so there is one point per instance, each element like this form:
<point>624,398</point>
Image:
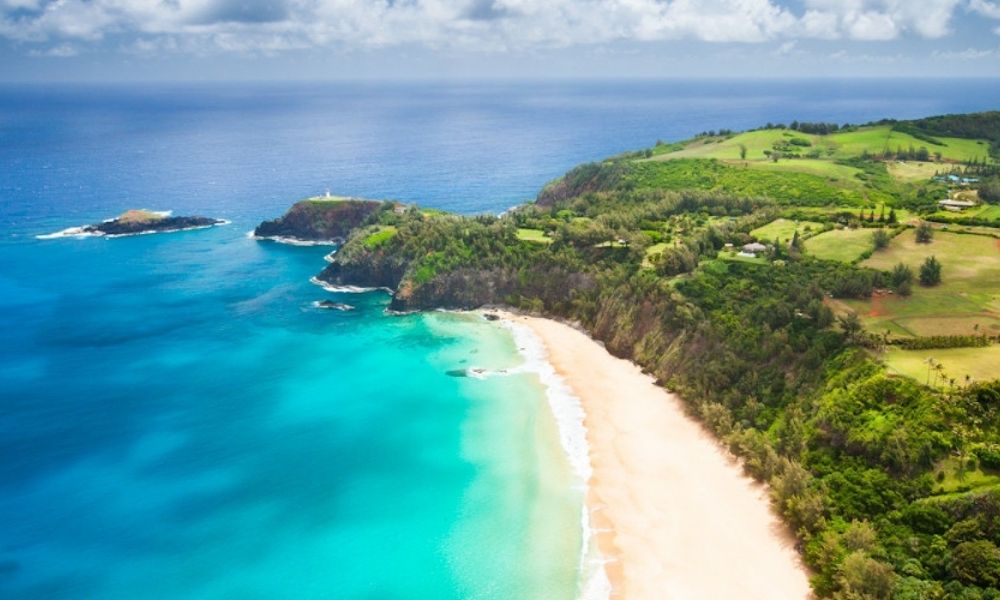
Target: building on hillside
<point>753,249</point>
<point>955,205</point>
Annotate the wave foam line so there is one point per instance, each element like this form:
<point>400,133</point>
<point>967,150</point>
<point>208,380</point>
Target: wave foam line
<point>346,289</point>
<point>569,416</point>
<point>290,241</point>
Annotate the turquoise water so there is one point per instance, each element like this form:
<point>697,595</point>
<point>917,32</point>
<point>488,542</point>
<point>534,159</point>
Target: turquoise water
<point>186,418</point>
<point>177,421</point>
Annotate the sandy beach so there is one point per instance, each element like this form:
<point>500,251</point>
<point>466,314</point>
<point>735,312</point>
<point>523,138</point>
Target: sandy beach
<point>675,516</point>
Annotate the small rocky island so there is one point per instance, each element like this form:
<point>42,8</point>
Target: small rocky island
<point>135,222</point>
<point>322,220</point>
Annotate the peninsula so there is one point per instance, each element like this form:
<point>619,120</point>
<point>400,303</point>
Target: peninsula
<point>322,220</point>
<point>805,295</point>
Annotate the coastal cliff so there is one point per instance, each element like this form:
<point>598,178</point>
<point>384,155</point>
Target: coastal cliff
<point>642,253</point>
<point>323,219</point>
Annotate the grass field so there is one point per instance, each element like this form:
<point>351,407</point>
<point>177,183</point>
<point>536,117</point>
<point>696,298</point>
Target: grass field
<point>826,212</point>
<point>981,364</point>
<point>973,260</point>
<point>845,245</point>
<point>834,146</point>
<point>954,479</point>
<point>912,170</point>
<point>653,251</point>
<point>784,229</point>
<point>380,236</point>
<point>792,187</point>
<point>533,235</point>
<point>969,293</point>
<point>823,168</point>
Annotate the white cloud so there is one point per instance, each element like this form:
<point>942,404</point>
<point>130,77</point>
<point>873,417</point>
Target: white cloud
<point>887,19</point>
<point>60,51</point>
<point>484,25</point>
<point>967,54</point>
<point>987,9</point>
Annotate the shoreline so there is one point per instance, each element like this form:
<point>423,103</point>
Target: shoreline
<point>669,509</point>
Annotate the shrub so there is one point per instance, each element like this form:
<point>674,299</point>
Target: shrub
<point>925,233</point>
<point>930,272</point>
<point>880,239</point>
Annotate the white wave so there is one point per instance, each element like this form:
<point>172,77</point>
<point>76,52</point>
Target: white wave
<point>82,232</point>
<point>291,241</point>
<point>346,289</point>
<point>152,231</point>
<point>73,232</point>
<point>342,307</point>
<point>329,257</point>
<point>569,416</point>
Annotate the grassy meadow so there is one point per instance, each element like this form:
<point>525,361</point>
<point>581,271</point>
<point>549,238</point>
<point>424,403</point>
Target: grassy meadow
<point>533,235</point>
<point>844,245</point>
<point>969,293</point>
<point>839,145</point>
<point>980,364</point>
<point>784,229</point>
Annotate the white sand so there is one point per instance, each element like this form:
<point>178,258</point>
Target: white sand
<point>675,515</point>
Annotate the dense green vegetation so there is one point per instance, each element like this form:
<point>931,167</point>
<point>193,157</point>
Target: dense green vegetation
<point>890,477</point>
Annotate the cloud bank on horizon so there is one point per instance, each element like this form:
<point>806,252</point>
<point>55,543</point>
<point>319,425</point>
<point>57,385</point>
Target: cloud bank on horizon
<point>66,28</point>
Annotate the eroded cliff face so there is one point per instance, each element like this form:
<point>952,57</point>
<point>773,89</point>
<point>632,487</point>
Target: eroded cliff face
<point>366,269</point>
<point>322,220</point>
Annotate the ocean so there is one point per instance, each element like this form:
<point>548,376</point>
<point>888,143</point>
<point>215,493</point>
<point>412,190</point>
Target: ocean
<point>178,421</point>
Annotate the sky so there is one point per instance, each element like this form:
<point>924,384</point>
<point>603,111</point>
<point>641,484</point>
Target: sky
<point>192,40</point>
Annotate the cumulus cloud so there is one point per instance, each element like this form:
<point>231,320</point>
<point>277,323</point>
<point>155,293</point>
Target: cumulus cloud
<point>987,9</point>
<point>276,25</point>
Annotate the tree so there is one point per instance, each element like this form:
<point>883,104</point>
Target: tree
<point>851,324</point>
<point>989,190</point>
<point>924,233</point>
<point>797,245</point>
<point>880,239</point>
<point>892,216</point>
<point>901,274</point>
<point>743,152</point>
<point>930,272</point>
<point>863,577</point>
<point>976,562</point>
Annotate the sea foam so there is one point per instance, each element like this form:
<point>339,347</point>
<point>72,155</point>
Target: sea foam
<point>291,241</point>
<point>569,416</point>
<point>346,289</point>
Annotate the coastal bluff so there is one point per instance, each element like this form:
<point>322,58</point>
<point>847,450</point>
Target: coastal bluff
<point>321,220</point>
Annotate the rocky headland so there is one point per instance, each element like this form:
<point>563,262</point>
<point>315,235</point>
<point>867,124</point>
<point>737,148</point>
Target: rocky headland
<point>321,220</point>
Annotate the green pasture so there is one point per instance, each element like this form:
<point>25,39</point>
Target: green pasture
<point>849,144</point>
<point>967,300</point>
<point>844,245</point>
<point>784,229</point>
<point>533,235</point>
<point>980,364</point>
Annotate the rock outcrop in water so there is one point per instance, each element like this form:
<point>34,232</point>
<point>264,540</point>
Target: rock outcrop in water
<point>136,222</point>
<point>327,219</point>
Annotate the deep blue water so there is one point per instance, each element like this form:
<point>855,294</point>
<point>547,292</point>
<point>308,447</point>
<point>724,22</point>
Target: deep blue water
<point>176,421</point>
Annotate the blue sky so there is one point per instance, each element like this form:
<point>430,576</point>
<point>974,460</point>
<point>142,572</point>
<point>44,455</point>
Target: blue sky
<point>393,39</point>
